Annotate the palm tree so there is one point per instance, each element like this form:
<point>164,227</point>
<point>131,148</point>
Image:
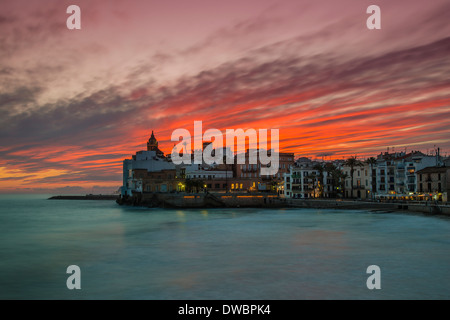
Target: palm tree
<point>352,162</point>
<point>312,176</point>
<point>342,177</point>
<point>372,161</point>
<point>319,167</point>
<point>194,185</point>
<point>332,172</point>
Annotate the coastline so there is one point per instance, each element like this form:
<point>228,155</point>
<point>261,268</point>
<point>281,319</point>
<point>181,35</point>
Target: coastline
<point>243,200</point>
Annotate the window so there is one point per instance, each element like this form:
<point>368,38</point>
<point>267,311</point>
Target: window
<point>232,186</point>
<point>241,186</point>
<point>217,185</point>
<point>439,176</point>
<point>439,187</point>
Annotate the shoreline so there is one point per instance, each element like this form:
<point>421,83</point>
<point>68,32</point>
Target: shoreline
<point>267,200</point>
<point>239,200</point>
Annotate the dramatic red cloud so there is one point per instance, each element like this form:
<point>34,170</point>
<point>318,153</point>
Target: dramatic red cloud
<point>76,103</point>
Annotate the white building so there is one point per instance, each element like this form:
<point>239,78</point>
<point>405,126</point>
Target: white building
<point>301,182</point>
<point>148,160</point>
<point>362,181</point>
<point>152,160</point>
<point>396,172</point>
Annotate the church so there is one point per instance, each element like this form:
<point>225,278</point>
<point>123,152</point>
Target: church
<point>152,145</point>
<point>151,160</point>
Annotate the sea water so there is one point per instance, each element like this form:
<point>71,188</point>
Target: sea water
<point>139,253</point>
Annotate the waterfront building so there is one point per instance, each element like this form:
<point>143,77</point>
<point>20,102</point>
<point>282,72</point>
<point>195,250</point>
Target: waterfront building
<point>433,183</point>
<point>301,182</point>
<point>313,179</point>
<point>361,185</point>
<point>248,176</point>
<point>157,181</point>
<point>151,160</point>
<point>396,172</point>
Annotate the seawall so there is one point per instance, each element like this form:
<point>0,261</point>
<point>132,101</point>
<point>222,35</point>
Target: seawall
<point>262,200</point>
<point>204,200</point>
<point>426,208</point>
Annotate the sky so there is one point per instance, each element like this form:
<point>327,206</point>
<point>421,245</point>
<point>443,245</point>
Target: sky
<point>75,103</point>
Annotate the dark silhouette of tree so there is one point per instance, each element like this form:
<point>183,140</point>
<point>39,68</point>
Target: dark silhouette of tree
<point>194,185</point>
<point>372,161</point>
<point>333,175</point>
<point>352,162</point>
<point>342,177</point>
<point>320,168</point>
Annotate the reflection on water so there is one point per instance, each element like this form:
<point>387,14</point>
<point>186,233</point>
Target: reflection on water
<point>136,253</point>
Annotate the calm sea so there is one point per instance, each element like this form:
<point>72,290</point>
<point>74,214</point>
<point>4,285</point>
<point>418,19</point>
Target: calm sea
<point>136,253</point>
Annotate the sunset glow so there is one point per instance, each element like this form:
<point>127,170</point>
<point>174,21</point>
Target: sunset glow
<point>75,103</point>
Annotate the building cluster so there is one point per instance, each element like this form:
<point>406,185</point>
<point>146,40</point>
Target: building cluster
<point>152,171</point>
<point>398,175</point>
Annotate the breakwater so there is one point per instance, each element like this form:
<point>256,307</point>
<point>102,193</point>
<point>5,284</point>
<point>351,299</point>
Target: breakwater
<point>86,197</point>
